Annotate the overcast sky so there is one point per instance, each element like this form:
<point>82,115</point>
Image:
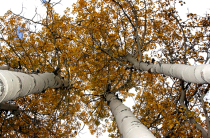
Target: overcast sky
<point>201,7</point>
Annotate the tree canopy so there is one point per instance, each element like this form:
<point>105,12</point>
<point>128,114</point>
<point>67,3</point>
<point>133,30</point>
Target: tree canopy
<point>91,52</point>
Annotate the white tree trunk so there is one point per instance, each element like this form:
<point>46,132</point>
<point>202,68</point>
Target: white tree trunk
<point>194,74</point>
<point>128,124</point>
<point>18,84</point>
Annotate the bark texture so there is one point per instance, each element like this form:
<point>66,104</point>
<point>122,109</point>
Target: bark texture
<point>196,74</point>
<point>128,124</point>
<point>18,84</point>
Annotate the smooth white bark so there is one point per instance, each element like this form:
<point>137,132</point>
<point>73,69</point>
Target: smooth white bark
<point>194,74</point>
<point>18,84</point>
<point>128,124</point>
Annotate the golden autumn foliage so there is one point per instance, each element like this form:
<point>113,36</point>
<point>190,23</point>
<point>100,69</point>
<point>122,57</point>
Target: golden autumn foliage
<point>90,50</point>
